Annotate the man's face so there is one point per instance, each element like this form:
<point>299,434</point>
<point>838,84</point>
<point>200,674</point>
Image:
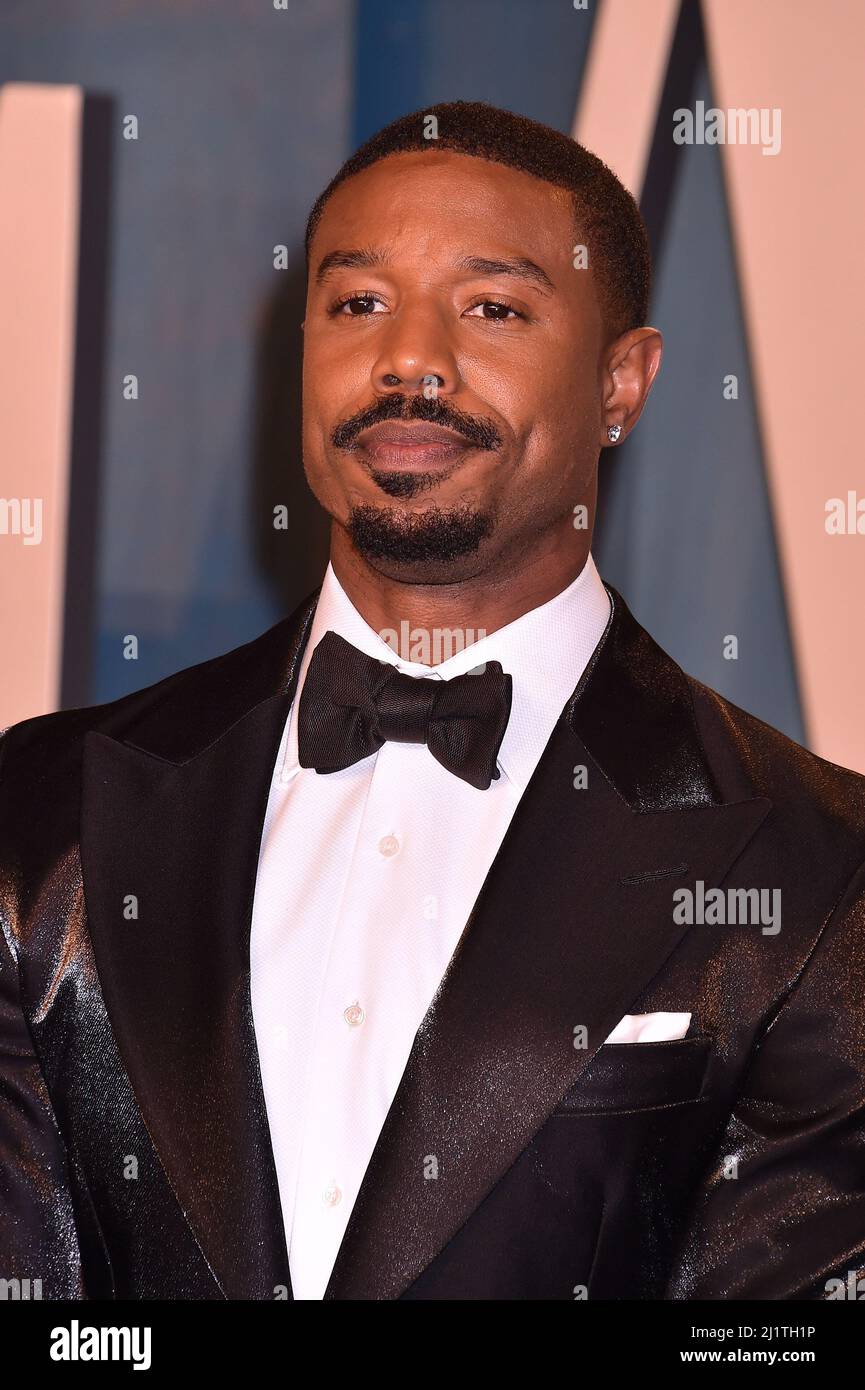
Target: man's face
<point>504,361</point>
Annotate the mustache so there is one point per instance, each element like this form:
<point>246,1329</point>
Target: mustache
<point>481,433</point>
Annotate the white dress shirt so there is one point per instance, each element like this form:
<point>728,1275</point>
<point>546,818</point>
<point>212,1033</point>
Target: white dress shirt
<point>366,879</point>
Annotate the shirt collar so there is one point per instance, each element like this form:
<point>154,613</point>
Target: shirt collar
<point>545,652</point>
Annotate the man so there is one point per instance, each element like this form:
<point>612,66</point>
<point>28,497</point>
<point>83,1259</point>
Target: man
<point>446,941</point>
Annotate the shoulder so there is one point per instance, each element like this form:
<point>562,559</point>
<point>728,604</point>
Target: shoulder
<point>44,747</point>
<point>805,789</point>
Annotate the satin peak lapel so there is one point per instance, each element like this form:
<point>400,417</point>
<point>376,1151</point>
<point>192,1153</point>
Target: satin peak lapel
<point>573,921</point>
<point>172,815</point>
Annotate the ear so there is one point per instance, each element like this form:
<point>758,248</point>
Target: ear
<point>631,367</point>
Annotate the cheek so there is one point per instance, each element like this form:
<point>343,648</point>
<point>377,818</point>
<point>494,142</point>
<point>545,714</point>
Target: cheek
<point>545,398</point>
<point>315,392</point>
<point>316,426</point>
<point>557,454</point>
<point>319,416</point>
<point>333,390</point>
<point>569,399</point>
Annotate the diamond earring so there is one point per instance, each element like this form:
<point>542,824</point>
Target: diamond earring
<point>613,432</point>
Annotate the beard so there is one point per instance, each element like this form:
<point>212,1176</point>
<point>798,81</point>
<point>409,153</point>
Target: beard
<point>435,535</point>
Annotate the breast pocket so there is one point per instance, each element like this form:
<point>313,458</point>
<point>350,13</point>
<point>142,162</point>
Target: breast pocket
<point>640,1076</point>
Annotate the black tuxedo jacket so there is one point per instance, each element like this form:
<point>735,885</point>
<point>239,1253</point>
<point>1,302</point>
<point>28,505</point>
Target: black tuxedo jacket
<point>135,1159</point>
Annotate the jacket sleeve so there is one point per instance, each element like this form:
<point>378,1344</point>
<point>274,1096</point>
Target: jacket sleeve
<point>781,1213</point>
<point>38,1241</point>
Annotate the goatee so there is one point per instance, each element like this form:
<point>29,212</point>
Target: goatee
<point>416,538</point>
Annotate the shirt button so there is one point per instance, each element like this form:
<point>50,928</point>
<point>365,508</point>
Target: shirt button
<point>332,1194</point>
<point>388,845</point>
<point>354,1015</point>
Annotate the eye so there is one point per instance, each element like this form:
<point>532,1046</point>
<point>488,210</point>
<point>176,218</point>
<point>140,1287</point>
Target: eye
<point>502,310</point>
<point>356,306</point>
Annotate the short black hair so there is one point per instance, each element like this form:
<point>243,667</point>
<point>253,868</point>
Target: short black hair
<point>607,219</point>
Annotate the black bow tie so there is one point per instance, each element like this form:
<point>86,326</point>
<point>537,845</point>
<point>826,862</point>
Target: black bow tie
<point>351,704</point>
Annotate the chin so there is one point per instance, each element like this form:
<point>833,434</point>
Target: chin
<point>431,572</point>
<point>435,545</point>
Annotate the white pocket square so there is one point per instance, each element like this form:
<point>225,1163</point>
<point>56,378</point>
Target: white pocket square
<point>637,1028</point>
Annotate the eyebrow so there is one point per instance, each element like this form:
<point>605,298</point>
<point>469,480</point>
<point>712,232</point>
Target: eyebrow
<point>520,267</point>
<point>348,260</point>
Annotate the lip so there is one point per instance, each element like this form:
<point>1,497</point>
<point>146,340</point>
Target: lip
<point>395,445</point>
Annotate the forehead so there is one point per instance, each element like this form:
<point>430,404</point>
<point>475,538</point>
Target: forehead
<point>439,197</point>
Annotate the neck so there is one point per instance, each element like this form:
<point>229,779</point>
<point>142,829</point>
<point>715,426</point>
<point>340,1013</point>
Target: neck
<point>475,606</point>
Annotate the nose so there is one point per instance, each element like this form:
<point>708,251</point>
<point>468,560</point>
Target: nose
<point>416,354</point>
